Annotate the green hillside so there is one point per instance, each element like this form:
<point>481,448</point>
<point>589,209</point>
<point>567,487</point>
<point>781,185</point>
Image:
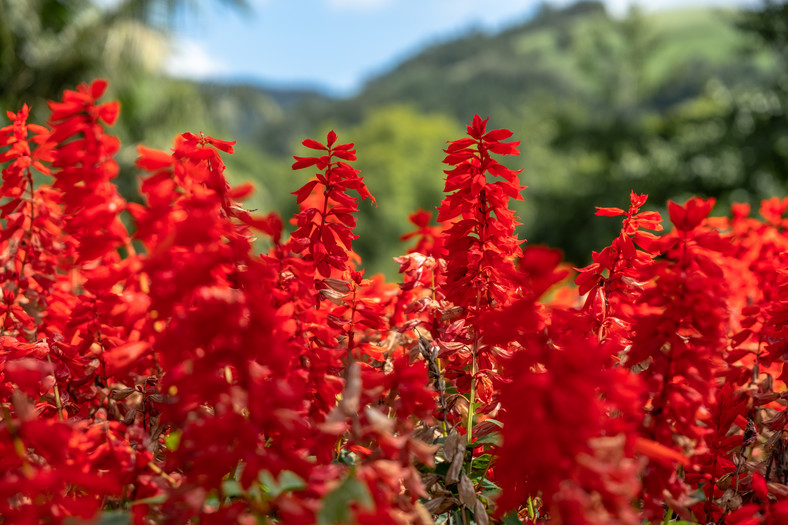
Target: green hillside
<point>669,104</point>
<point>577,55</point>
<point>602,106</point>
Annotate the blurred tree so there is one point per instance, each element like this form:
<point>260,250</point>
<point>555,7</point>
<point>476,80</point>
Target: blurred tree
<point>758,113</point>
<point>50,45</point>
<point>723,135</point>
<point>731,141</point>
<point>400,155</point>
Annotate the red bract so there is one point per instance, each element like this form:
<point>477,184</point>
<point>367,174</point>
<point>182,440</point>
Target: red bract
<point>619,273</point>
<point>584,474</point>
<point>480,247</point>
<point>328,224</point>
<point>679,340</point>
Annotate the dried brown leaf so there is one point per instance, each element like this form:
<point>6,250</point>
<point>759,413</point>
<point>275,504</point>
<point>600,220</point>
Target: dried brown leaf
<point>378,420</point>
<point>430,479</point>
<point>441,505</point>
<point>337,285</point>
<point>333,296</point>
<point>424,515</point>
<point>466,491</point>
<point>451,313</point>
<point>480,513</point>
<point>453,474</point>
<point>730,500</point>
<point>351,397</point>
<point>131,415</point>
<point>777,489</point>
<point>121,393</point>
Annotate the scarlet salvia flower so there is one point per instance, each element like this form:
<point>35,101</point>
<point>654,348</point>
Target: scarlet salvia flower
<point>84,166</point>
<point>619,273</point>
<point>680,340</point>
<point>480,244</point>
<point>715,469</point>
<point>422,269</point>
<point>32,217</point>
<point>755,270</point>
<point>328,224</point>
<point>480,248</point>
<point>583,474</point>
<point>429,238</point>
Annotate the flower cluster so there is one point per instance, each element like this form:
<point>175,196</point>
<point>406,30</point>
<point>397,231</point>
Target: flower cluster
<point>155,369</point>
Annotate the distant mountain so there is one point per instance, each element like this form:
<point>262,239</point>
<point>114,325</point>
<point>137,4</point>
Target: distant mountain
<point>579,54</point>
<point>604,105</point>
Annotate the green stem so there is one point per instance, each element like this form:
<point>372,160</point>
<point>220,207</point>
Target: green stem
<point>668,517</point>
<point>58,403</point>
<point>472,396</point>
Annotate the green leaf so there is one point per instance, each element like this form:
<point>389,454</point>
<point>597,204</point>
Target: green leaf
<point>489,485</point>
<point>336,505</point>
<point>511,519</point>
<point>173,440</point>
<point>493,438</point>
<point>347,458</point>
<point>288,481</point>
<point>481,463</point>
<point>232,489</point>
<point>153,500</point>
<point>112,517</point>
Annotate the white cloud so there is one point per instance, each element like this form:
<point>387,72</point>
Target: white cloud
<point>620,7</point>
<point>367,5</point>
<point>189,59</point>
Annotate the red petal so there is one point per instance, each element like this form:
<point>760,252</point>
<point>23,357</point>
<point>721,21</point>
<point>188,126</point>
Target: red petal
<point>677,215</point>
<point>27,373</point>
<point>241,191</point>
<point>497,135</point>
<point>97,88</point>
<point>109,112</point>
<point>609,212</point>
<point>659,452</point>
<point>304,162</point>
<point>152,160</point>
<point>223,145</point>
<point>123,357</point>
<point>309,143</point>
<point>304,191</point>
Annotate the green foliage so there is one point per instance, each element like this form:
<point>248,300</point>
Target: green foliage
<point>336,505</point>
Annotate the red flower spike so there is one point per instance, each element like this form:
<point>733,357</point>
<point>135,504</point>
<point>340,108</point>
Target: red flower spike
<point>484,228</point>
<point>327,222</point>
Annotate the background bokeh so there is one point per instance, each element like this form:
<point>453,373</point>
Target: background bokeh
<point>673,103</point>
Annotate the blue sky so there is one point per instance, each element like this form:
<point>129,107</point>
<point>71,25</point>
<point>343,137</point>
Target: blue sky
<point>337,44</point>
